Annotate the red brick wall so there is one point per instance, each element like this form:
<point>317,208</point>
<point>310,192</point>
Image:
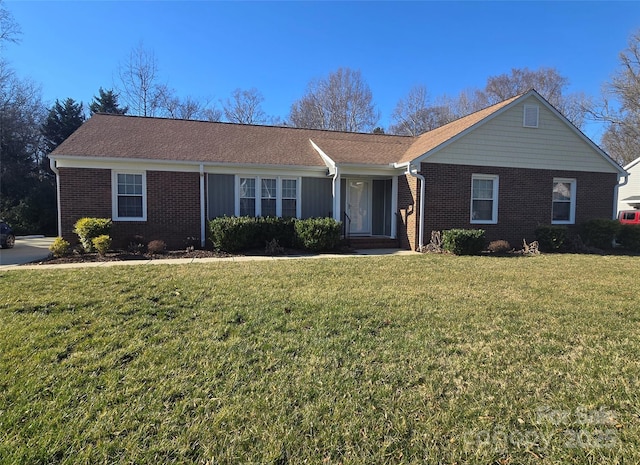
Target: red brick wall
<point>173,205</point>
<point>408,201</point>
<point>524,199</point>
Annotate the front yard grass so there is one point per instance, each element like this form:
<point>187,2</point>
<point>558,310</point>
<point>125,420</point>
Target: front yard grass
<point>414,359</point>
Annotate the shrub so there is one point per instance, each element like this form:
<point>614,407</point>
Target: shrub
<point>232,233</point>
<point>88,229</point>
<point>273,247</point>
<point>550,237</point>
<point>629,237</point>
<point>102,244</point>
<point>318,234</point>
<point>59,247</point>
<point>137,245</point>
<point>157,247</point>
<point>600,233</point>
<point>463,241</point>
<point>499,247</point>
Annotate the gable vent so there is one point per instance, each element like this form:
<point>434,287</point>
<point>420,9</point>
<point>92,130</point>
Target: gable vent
<point>530,116</point>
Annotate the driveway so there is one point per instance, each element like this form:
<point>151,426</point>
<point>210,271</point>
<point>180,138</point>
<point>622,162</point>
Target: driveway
<point>27,249</point>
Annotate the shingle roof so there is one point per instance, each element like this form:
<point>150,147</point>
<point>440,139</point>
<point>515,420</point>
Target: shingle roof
<point>133,137</point>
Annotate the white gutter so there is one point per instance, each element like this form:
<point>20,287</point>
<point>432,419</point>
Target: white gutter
<point>413,171</point>
<point>616,193</point>
<point>203,218</point>
<point>52,165</point>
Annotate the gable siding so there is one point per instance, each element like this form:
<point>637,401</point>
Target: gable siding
<point>503,141</point>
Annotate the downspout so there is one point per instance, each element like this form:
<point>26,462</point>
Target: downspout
<point>52,165</point>
<point>336,195</point>
<point>202,209</point>
<point>413,171</point>
<point>616,193</point>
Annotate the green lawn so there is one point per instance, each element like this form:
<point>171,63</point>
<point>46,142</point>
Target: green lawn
<point>414,359</point>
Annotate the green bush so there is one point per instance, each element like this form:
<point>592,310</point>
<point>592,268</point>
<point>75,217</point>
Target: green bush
<point>59,247</point>
<point>102,244</point>
<point>629,237</point>
<point>550,237</point>
<point>318,234</point>
<point>233,234</point>
<point>463,241</point>
<point>600,233</point>
<point>88,229</point>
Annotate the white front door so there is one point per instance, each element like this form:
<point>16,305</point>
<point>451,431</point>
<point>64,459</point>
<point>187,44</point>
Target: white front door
<point>358,202</point>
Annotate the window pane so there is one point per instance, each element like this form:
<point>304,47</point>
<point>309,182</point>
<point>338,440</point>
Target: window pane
<point>561,191</point>
<point>561,211</point>
<point>288,208</point>
<point>482,210</point>
<point>129,184</point>
<point>289,188</point>
<point>247,188</point>
<point>129,207</point>
<point>268,207</point>
<point>247,207</point>
<point>483,189</point>
<point>268,188</point>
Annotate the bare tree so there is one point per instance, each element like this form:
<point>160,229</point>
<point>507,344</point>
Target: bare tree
<point>415,114</point>
<point>245,107</point>
<point>9,29</point>
<point>622,136</point>
<point>342,102</point>
<point>546,81</point>
<point>139,82</point>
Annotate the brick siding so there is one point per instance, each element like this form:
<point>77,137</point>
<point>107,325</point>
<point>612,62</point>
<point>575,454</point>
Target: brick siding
<point>524,199</point>
<point>173,205</point>
<point>408,202</point>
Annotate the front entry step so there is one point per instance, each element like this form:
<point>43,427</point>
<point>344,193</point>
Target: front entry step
<point>373,243</point>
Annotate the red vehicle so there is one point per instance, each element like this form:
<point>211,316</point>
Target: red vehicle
<point>629,217</point>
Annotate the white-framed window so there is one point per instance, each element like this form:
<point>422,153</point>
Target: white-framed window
<point>129,190</point>
<point>247,196</point>
<point>531,116</point>
<point>563,203</point>
<point>289,198</point>
<point>267,196</point>
<point>484,199</point>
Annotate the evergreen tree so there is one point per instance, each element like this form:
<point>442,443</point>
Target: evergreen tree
<point>63,119</point>
<point>107,102</point>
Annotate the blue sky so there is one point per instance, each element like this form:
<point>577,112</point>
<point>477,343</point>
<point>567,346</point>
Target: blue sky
<point>207,49</point>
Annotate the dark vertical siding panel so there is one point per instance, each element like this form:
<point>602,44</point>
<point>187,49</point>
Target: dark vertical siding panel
<point>377,207</point>
<point>389,215</point>
<point>220,191</point>
<point>317,198</point>
<point>343,198</point>
<point>381,206</point>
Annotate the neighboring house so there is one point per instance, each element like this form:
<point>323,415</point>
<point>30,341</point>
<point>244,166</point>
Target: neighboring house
<point>505,169</point>
<point>629,196</point>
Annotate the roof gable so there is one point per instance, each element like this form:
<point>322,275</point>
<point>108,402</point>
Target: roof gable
<point>558,139</point>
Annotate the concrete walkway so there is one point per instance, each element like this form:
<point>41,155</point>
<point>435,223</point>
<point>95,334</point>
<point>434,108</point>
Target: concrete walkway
<point>185,261</point>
